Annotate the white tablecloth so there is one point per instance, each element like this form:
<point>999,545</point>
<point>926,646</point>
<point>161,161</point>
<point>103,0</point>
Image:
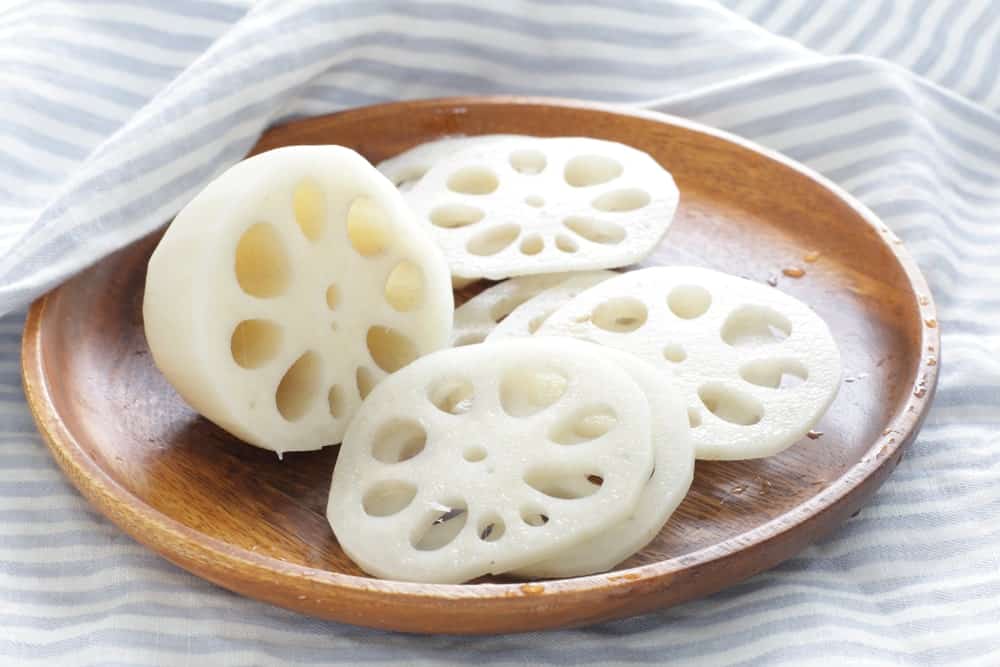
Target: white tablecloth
<point>114,113</point>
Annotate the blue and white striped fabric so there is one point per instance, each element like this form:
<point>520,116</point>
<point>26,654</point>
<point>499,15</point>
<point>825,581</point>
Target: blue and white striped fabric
<point>115,112</point>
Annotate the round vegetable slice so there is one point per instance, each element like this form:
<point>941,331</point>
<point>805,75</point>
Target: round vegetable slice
<point>673,472</point>
<point>530,205</point>
<point>405,169</point>
<point>286,289</point>
<point>478,460</point>
<point>526,318</point>
<point>477,317</point>
<point>758,368</point>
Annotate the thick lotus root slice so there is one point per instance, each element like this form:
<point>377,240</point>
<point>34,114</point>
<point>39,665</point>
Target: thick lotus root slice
<point>477,317</point>
<point>288,288</point>
<point>758,368</point>
<point>527,206</point>
<point>479,459</point>
<point>405,169</point>
<point>526,318</point>
<point>673,472</point>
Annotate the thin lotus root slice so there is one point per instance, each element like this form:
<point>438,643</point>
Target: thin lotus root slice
<point>526,319</point>
<point>405,169</point>
<point>477,460</point>
<point>673,472</point>
<point>477,317</point>
<point>288,288</point>
<point>527,206</point>
<point>758,368</point>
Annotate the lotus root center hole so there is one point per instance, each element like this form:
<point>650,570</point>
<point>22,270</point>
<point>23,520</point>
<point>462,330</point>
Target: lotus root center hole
<point>532,244</point>
<point>586,170</point>
<point>562,484</point>
<point>332,296</point>
<point>390,349</point>
<point>474,453</point>
<point>620,315</point>
<point>534,516</point>
<point>409,177</point>
<point>694,417</point>
<point>596,231</point>
<point>775,373</point>
<point>388,498</point>
<point>622,201</point>
<point>749,326</point>
<point>731,405</point>
<point>299,386</point>
<point>255,342</point>
<point>309,206</point>
<point>365,381</point>
<point>491,528</point>
<point>528,161</point>
<point>473,181</point>
<point>338,402</point>
<point>262,267</point>
<point>404,288</point>
<point>440,526</point>
<point>689,301</point>
<point>674,353</point>
<point>584,425</point>
<point>399,440</point>
<point>453,216</point>
<point>534,201</point>
<point>525,391</point>
<point>491,241</point>
<point>565,244</point>
<point>452,395</point>
<point>368,227</point>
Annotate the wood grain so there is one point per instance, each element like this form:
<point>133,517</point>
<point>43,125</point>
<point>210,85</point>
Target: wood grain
<point>237,516</point>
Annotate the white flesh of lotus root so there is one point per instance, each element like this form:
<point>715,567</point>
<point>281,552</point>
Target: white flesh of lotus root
<point>526,318</point>
<point>478,316</point>
<point>529,205</point>
<point>475,460</point>
<point>758,367</point>
<point>405,169</point>
<point>673,472</point>
<point>286,289</point>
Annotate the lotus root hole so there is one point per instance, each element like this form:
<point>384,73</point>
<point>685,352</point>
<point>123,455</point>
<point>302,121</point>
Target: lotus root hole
<point>262,266</point>
<point>454,216</point>
<point>491,528</point>
<point>731,405</point>
<point>775,373</point>
<point>491,241</point>
<point>441,526</point>
<point>474,453</point>
<point>622,201</point>
<point>525,391</point>
<point>532,244</point>
<point>309,206</point>
<point>534,201</point>
<point>564,485</point>
<point>399,440</point>
<point>596,231</point>
<point>364,380</point>
<point>368,227</point>
<point>404,288</point>
<point>255,342</point>
<point>534,516</point>
<point>620,314</point>
<point>299,386</point>
<point>337,400</point>
<point>689,302</point>
<point>755,325</point>
<point>473,181</point>
<point>584,425</point>
<point>674,353</point>
<point>452,395</point>
<point>586,170</point>
<point>388,497</point>
<point>389,349</point>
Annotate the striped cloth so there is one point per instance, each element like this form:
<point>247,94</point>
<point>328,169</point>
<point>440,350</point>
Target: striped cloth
<point>116,112</point>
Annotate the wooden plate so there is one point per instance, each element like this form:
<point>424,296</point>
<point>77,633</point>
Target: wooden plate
<point>237,516</point>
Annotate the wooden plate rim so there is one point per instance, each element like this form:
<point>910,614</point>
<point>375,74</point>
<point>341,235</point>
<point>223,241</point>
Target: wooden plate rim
<point>177,542</point>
